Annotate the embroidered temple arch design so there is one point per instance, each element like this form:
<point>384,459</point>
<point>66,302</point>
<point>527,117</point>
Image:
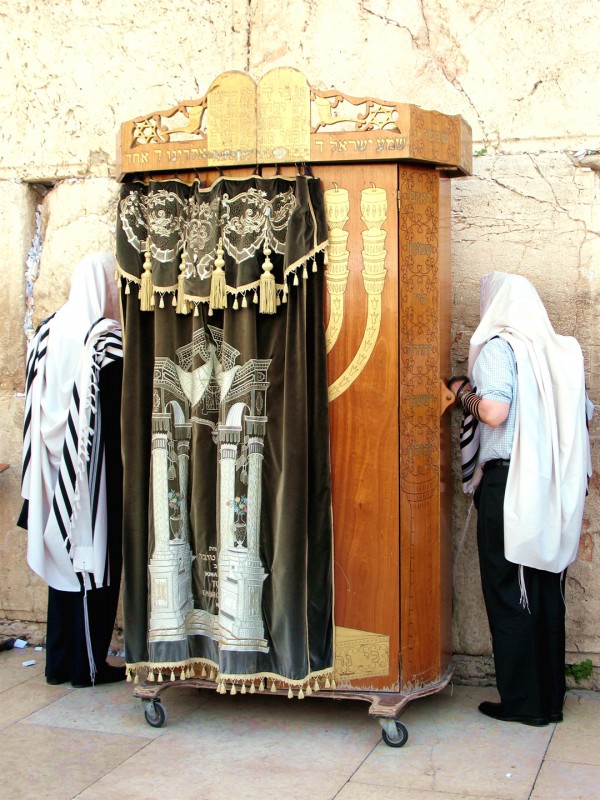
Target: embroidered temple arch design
<point>231,400</point>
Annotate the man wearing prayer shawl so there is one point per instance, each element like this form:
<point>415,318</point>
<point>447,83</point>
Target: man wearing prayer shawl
<point>71,465</point>
<point>525,447</point>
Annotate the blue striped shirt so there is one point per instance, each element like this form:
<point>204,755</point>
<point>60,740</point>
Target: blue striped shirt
<point>495,376</point>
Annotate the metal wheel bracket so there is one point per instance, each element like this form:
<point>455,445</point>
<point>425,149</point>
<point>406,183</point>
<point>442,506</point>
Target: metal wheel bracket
<point>394,733</point>
<point>155,713</point>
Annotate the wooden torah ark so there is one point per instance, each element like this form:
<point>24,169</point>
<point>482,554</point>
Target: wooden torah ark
<point>385,169</point>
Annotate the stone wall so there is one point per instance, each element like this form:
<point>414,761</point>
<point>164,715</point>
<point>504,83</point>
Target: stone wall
<point>523,73</point>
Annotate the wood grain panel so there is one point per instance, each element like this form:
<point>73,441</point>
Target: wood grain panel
<point>364,430</point>
<point>419,426</point>
<point>446,455</point>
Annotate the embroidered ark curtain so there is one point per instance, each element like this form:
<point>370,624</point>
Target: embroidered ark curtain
<point>227,533</point>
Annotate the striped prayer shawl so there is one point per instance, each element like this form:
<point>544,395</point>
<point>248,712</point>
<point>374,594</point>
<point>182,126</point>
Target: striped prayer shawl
<point>469,450</point>
<point>80,477</point>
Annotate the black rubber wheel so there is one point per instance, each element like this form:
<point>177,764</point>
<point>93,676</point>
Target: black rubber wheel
<point>396,741</point>
<point>156,714</point>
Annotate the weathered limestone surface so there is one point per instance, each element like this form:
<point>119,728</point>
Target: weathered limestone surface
<point>535,215</point>
<point>525,76</point>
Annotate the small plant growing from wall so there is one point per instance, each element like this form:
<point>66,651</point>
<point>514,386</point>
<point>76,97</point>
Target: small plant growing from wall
<point>579,671</point>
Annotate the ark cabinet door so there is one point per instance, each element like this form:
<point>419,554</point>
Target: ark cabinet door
<point>424,349</point>
<point>362,340</point>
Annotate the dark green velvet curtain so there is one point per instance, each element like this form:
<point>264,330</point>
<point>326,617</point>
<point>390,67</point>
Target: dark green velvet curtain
<point>227,532</point>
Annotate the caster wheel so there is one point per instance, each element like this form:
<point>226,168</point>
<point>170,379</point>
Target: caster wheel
<point>155,713</point>
<point>397,737</point>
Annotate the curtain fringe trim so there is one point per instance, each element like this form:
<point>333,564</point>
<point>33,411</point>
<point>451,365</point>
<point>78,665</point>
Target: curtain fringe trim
<point>147,291</point>
<point>231,684</point>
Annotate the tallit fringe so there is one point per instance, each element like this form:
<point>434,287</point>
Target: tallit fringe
<point>265,291</point>
<point>231,684</point>
<point>524,600</point>
<point>88,639</point>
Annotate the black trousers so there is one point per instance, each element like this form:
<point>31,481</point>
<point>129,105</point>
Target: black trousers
<point>66,648</point>
<point>529,645</point>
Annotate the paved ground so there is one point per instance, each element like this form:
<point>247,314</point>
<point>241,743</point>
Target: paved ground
<point>57,743</point>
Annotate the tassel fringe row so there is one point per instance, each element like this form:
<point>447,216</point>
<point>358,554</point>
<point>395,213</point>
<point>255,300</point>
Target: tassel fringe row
<point>230,684</point>
<point>264,292</point>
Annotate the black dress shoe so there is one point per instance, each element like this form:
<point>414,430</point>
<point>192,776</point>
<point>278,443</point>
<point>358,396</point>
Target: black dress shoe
<point>495,711</point>
<point>106,674</point>
<point>55,681</point>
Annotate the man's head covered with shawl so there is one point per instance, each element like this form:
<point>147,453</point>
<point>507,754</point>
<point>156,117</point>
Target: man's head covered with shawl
<point>550,459</point>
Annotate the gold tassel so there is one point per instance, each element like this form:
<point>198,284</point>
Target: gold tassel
<point>218,286</point>
<point>181,304</point>
<point>278,299</point>
<point>162,301</point>
<point>182,675</point>
<point>127,289</point>
<point>314,267</point>
<point>244,302</point>
<point>296,281</point>
<point>172,675</point>
<point>308,690</point>
<point>273,687</point>
<point>203,673</point>
<point>327,684</point>
<point>243,688</point>
<point>252,689</point>
<point>150,676</point>
<point>267,285</point>
<point>119,281</point>
<point>316,686</point>
<point>304,273</point>
<point>333,684</point>
<point>146,295</point>
<point>136,679</point>
<point>197,313</point>
<point>255,300</point>
<point>300,694</point>
<point>129,678</point>
<point>235,304</point>
<point>290,693</point>
<point>160,677</point>
<point>261,686</point>
<point>233,689</point>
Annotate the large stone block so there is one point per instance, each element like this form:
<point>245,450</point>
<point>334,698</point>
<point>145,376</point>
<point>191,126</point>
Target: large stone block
<point>79,218</point>
<point>17,224</point>
<point>510,70</point>
<point>72,78</point>
<point>22,594</point>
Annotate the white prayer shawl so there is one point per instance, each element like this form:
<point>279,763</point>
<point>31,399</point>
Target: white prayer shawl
<point>550,459</point>
<point>63,466</point>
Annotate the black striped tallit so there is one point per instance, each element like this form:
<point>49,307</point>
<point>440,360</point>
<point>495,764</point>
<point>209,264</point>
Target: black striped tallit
<point>83,450</point>
<point>469,448</point>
